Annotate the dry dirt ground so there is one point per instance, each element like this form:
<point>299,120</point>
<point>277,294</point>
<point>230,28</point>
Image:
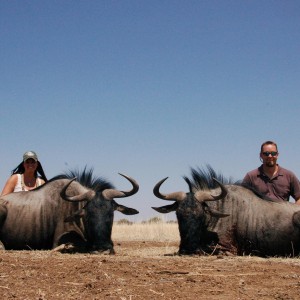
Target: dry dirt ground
<point>145,270</point>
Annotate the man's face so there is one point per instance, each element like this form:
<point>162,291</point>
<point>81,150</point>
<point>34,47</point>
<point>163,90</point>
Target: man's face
<point>269,155</point>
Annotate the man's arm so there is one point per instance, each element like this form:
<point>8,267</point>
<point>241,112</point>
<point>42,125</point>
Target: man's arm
<point>246,181</point>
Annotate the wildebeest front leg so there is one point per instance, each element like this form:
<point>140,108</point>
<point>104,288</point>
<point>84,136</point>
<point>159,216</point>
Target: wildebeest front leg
<point>70,242</point>
<point>69,234</point>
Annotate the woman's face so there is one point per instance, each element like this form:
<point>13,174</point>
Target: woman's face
<point>30,164</point>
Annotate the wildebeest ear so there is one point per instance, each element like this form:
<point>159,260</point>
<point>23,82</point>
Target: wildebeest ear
<point>167,208</point>
<point>126,210</point>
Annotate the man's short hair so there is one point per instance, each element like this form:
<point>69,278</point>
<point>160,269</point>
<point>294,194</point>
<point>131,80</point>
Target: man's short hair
<point>268,143</point>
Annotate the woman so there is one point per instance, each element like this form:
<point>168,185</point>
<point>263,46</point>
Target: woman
<point>25,176</point>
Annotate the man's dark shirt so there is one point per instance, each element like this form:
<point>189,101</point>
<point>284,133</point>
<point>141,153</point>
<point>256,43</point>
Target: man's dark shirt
<point>280,187</point>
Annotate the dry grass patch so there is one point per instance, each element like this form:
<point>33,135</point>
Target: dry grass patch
<point>158,232</point>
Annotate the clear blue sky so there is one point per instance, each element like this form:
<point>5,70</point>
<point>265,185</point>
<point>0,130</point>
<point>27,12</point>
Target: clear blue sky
<point>149,88</point>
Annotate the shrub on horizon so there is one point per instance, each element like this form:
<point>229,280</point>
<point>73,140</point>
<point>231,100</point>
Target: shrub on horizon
<point>155,220</point>
<point>124,222</point>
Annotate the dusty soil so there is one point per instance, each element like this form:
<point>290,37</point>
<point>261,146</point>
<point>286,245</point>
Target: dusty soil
<point>145,270</point>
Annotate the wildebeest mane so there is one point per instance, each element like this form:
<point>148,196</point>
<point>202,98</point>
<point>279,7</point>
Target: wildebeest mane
<point>86,178</point>
<point>203,179</point>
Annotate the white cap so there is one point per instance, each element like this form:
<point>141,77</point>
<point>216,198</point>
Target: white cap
<point>30,154</point>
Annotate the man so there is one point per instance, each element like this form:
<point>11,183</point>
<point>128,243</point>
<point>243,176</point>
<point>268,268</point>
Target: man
<point>270,179</point>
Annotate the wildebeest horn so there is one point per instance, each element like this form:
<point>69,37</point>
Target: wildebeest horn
<point>110,194</point>
<point>224,191</point>
<point>78,198</point>
<point>176,196</point>
<point>201,196</point>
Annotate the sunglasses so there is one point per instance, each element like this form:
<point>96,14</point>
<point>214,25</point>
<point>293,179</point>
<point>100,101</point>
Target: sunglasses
<point>267,153</point>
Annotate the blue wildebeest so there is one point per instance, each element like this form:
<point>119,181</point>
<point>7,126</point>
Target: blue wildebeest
<point>217,214</point>
<point>63,211</point>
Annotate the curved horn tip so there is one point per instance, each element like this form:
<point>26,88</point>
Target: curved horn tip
<point>163,180</point>
<point>223,190</point>
<point>132,180</point>
<point>157,186</point>
<point>125,176</point>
